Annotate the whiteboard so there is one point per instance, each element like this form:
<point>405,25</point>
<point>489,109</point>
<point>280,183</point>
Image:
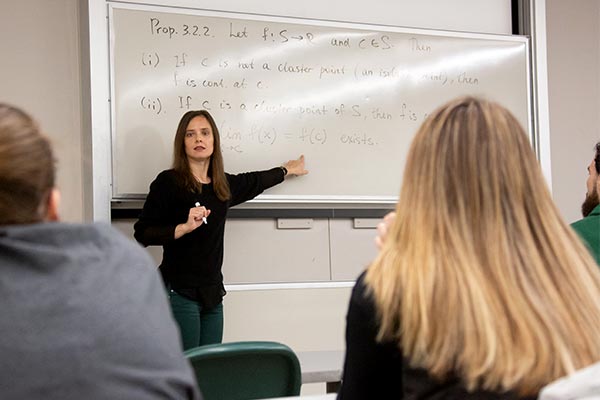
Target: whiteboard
<point>350,97</point>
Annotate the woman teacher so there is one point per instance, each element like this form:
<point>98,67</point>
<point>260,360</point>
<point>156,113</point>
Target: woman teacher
<point>185,212</point>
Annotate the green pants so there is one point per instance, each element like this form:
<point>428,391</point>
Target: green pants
<point>197,326</point>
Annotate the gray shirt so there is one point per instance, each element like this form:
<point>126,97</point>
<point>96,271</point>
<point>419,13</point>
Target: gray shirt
<point>84,315</point>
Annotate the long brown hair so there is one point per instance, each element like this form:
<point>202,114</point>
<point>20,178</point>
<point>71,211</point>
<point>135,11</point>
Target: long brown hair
<point>479,276</point>
<point>216,169</point>
<point>27,170</point>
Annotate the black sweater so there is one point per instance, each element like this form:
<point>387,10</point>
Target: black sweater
<point>374,370</point>
<point>194,260</point>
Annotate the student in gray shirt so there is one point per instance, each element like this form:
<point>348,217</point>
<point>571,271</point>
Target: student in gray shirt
<point>84,314</point>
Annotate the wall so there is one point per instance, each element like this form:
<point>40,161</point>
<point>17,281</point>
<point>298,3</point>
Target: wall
<point>41,73</point>
<point>573,35</point>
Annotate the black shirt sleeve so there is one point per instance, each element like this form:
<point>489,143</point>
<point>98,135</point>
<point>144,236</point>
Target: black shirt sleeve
<point>155,226</point>
<point>372,370</point>
<point>248,185</point>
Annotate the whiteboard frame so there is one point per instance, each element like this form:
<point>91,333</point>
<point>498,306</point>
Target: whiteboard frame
<point>283,199</point>
<point>101,150</point>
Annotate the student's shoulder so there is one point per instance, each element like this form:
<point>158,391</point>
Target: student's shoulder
<point>360,281</point>
<point>114,242</point>
<point>94,244</point>
<point>592,220</point>
<point>585,224</point>
<point>359,292</point>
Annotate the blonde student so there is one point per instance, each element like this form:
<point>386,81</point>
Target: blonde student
<point>480,290</point>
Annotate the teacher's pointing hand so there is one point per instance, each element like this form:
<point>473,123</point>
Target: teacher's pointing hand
<point>296,167</point>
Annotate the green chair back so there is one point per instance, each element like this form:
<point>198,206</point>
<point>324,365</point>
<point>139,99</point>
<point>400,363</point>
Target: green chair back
<point>245,370</point>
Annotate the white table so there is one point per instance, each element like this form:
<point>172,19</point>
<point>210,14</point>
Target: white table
<point>322,366</point>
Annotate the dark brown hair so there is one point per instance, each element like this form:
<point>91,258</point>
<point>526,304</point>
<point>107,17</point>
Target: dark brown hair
<point>27,169</point>
<point>216,169</point>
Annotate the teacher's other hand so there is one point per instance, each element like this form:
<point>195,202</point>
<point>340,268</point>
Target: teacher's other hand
<point>296,167</point>
<point>195,216</point>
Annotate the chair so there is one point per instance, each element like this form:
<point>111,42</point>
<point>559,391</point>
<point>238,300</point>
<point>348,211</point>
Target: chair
<point>245,370</point>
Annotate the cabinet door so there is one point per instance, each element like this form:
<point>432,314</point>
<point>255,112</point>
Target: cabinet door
<point>256,251</point>
<point>352,249</point>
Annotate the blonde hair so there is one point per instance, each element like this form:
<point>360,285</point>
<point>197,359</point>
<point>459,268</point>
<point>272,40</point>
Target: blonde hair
<point>27,168</point>
<point>479,276</point>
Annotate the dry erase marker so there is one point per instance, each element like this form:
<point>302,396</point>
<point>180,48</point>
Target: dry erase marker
<point>203,218</point>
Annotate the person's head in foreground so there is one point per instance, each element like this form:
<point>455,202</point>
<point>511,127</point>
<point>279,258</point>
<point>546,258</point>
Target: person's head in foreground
<point>27,170</point>
<point>479,281</point>
<point>592,195</point>
<point>84,314</point>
